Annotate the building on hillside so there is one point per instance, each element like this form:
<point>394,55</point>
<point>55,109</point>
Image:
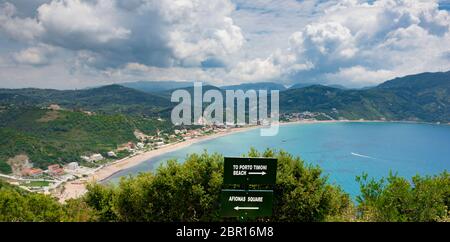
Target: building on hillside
<point>33,172</point>
<point>160,143</point>
<point>140,145</point>
<point>86,158</point>
<point>55,170</point>
<point>96,157</point>
<point>72,166</point>
<point>111,154</point>
<point>54,107</point>
<point>128,147</point>
<point>93,158</point>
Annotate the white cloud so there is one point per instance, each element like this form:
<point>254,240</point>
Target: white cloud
<point>350,42</point>
<point>35,56</point>
<point>269,69</point>
<point>79,24</point>
<point>151,32</point>
<point>256,69</point>
<point>359,76</point>
<point>24,29</point>
<point>357,43</point>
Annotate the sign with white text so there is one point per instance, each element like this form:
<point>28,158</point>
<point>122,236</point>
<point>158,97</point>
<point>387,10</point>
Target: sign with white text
<point>244,203</point>
<point>239,170</point>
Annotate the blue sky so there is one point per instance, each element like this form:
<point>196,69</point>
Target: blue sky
<point>79,43</point>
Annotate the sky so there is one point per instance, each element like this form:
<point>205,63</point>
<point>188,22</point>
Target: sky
<point>67,44</point>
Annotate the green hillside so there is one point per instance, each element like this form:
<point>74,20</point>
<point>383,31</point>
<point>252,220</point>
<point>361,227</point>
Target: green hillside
<point>48,136</point>
<point>110,99</point>
<point>423,97</point>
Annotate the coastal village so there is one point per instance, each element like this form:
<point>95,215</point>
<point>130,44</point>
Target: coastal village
<point>52,179</point>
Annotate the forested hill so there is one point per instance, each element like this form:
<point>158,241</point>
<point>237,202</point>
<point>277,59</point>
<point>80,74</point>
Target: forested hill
<point>109,99</point>
<point>61,136</point>
<point>422,97</point>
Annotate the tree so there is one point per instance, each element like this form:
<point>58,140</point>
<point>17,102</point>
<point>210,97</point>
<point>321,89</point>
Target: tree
<point>190,191</point>
<point>395,199</point>
<point>20,206</point>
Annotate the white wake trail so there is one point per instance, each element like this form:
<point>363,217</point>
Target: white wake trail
<point>363,156</point>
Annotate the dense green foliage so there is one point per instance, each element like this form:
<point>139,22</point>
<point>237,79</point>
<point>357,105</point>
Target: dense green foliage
<point>190,191</point>
<point>423,97</point>
<point>19,206</point>
<point>395,199</point>
<point>49,137</point>
<point>110,99</point>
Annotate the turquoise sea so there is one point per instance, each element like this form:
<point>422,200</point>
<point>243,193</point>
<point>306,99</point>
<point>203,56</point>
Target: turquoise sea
<point>343,150</point>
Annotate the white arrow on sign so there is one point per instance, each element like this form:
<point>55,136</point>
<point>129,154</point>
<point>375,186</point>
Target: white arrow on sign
<point>237,208</point>
<point>257,173</point>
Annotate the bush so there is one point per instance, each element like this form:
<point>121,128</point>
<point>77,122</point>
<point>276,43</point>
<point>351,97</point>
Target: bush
<point>20,206</point>
<point>190,191</point>
<point>395,199</point>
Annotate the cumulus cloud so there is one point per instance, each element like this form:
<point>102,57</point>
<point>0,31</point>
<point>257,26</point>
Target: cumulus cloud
<point>359,76</point>
<point>350,42</point>
<point>273,67</point>
<point>35,56</point>
<point>22,29</point>
<point>358,43</point>
<point>160,33</point>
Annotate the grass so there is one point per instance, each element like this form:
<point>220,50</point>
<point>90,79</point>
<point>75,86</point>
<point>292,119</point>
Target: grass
<point>37,184</point>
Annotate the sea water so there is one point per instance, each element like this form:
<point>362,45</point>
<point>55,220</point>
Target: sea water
<point>343,150</point>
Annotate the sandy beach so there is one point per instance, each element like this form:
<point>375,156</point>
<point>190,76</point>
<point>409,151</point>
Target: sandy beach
<point>77,188</point>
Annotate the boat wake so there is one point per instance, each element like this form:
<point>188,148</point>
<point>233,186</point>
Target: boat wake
<point>363,156</point>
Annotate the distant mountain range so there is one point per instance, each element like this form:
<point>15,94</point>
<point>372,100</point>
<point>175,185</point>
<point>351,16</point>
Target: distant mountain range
<point>156,86</point>
<point>162,86</point>
<point>256,86</point>
<point>302,85</point>
<point>421,97</point>
<point>107,99</point>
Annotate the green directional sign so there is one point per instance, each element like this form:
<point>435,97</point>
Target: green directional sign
<point>243,203</point>
<point>239,170</point>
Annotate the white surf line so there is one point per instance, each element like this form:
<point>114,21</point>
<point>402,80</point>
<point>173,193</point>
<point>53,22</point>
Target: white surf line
<point>363,156</point>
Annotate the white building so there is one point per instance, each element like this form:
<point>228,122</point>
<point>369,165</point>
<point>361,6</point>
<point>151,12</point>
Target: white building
<point>111,154</point>
<point>72,166</point>
<point>140,145</point>
<point>86,158</point>
<point>96,157</point>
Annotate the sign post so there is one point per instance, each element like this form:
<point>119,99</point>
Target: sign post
<point>246,203</point>
<point>250,170</point>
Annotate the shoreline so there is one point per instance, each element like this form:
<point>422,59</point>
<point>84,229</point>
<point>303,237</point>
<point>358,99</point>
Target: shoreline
<point>76,188</point>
